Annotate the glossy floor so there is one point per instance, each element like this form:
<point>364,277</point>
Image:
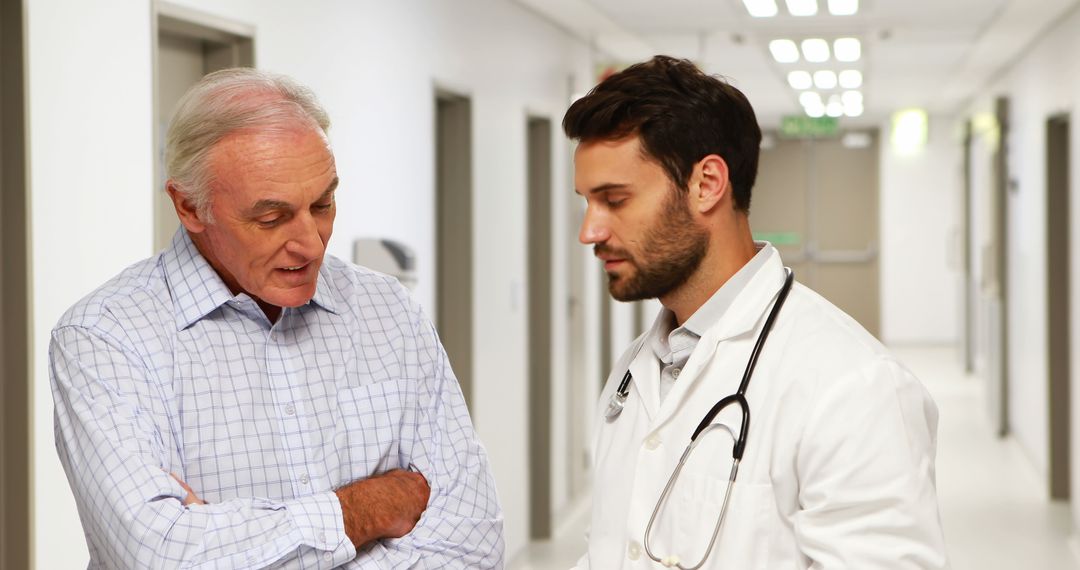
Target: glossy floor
<point>992,500</point>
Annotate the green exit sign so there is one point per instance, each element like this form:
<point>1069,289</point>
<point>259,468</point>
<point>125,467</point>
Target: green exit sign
<point>808,127</point>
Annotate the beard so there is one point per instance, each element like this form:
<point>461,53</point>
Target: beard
<point>671,251</point>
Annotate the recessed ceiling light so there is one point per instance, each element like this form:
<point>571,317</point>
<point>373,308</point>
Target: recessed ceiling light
<point>761,8</point>
<point>802,7</point>
<point>815,50</point>
<point>853,110</point>
<point>851,79</point>
<point>851,98</point>
<point>843,7</point>
<point>785,51</point>
<point>810,99</point>
<point>825,79</point>
<point>800,80</point>
<point>834,109</point>
<point>815,110</point>
<point>847,49</point>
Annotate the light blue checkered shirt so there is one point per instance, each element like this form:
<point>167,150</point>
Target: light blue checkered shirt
<point>164,370</point>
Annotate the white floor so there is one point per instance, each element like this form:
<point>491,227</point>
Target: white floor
<point>992,500</point>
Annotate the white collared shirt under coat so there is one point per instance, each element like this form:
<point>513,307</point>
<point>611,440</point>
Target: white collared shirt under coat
<point>838,470</point>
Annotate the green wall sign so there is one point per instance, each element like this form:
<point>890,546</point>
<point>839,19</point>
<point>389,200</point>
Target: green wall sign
<point>802,127</point>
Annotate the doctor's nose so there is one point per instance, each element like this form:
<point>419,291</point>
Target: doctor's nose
<point>593,229</point>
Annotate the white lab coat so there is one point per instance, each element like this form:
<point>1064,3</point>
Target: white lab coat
<point>838,470</point>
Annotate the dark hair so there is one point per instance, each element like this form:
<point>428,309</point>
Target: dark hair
<point>681,115</point>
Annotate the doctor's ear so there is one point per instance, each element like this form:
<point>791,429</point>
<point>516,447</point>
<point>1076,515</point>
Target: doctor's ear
<point>709,183</point>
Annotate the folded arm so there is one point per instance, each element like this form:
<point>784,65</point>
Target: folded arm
<point>133,509</point>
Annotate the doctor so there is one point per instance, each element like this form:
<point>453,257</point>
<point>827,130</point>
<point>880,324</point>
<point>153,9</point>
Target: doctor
<point>838,465</point>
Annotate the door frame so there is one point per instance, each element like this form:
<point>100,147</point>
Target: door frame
<point>16,466</point>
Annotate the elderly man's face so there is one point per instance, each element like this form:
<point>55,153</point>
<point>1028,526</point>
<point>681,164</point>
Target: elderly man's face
<point>273,210</point>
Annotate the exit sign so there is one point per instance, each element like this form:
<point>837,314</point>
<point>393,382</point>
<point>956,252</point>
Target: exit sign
<point>808,127</point>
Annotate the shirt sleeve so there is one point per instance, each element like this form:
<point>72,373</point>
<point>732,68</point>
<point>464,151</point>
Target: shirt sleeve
<point>463,524</point>
<point>866,473</point>
<point>113,449</point>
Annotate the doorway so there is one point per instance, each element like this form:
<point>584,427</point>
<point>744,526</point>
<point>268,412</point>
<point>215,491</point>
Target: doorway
<point>1057,301</point>
<point>189,45</point>
<point>540,270</point>
<point>15,475</point>
<point>816,201</point>
<point>453,234</point>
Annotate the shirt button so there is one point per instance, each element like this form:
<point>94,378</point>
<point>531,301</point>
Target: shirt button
<point>290,410</point>
<point>652,443</point>
<point>322,537</point>
<point>328,556</point>
<point>304,479</point>
<point>634,551</point>
<point>675,373</point>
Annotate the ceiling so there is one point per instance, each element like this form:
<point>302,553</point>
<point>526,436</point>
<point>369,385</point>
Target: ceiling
<point>931,54</point>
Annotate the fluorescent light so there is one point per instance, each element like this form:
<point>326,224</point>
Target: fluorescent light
<point>834,109</point>
<point>909,129</point>
<point>800,80</point>
<point>847,49</point>
<point>810,99</point>
<point>851,79</point>
<point>853,110</point>
<point>843,7</point>
<point>856,139</point>
<point>761,8</point>
<point>785,51</point>
<point>802,7</point>
<point>815,50</point>
<point>824,79</point>
<point>815,111</point>
<point>851,98</point>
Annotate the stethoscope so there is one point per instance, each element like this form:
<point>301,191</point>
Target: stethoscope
<point>618,402</point>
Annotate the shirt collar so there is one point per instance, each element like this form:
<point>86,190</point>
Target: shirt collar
<point>670,344</point>
<point>197,290</point>
<point>713,310</point>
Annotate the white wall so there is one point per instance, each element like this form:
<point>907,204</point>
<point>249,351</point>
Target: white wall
<point>90,176</point>
<point>375,66</point>
<point>920,223</point>
<point>1039,84</point>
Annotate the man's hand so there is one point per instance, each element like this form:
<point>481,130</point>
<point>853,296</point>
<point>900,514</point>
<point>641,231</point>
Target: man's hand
<point>191,498</point>
<point>383,506</point>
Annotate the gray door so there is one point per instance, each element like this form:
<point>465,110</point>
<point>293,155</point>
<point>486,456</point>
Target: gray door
<point>1058,302</point>
<point>189,45</point>
<point>14,291</point>
<point>453,234</point>
<point>816,200</point>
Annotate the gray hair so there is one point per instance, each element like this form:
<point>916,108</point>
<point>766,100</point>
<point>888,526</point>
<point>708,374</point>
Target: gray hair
<point>221,103</point>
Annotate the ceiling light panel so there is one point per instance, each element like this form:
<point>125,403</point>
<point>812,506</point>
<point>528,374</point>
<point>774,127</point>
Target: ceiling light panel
<point>800,80</point>
<point>815,50</point>
<point>843,7</point>
<point>847,49</point>
<point>785,51</point>
<point>815,110</point>
<point>802,7</point>
<point>825,79</point>
<point>851,98</point>
<point>850,79</point>
<point>761,8</point>
<point>810,99</point>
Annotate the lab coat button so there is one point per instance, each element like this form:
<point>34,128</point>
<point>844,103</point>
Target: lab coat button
<point>652,443</point>
<point>634,551</point>
<point>675,373</point>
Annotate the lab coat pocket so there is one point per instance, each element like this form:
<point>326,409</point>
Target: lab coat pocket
<point>370,420</point>
<point>744,537</point>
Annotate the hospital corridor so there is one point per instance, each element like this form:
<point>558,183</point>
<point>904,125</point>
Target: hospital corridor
<point>441,283</point>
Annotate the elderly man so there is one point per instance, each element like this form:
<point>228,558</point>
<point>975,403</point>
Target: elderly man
<point>244,400</point>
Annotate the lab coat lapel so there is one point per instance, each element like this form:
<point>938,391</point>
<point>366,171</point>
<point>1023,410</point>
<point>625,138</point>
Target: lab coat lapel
<point>743,318</point>
<point>646,370</point>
